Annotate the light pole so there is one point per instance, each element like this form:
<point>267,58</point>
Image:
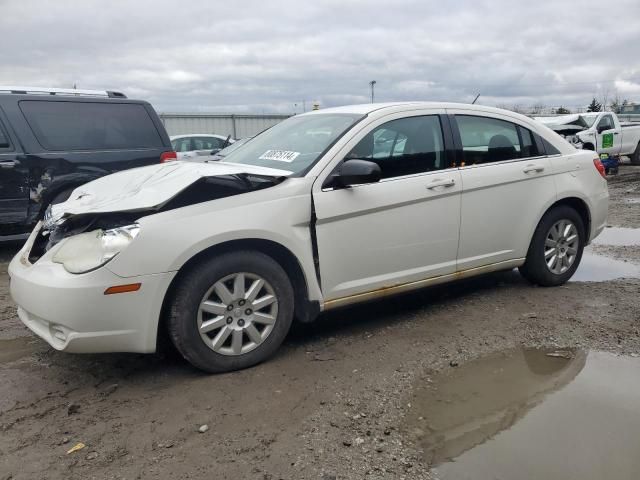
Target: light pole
<point>372,83</point>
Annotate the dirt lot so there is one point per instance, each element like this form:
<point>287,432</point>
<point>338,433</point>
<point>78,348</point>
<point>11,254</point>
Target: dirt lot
<point>330,405</point>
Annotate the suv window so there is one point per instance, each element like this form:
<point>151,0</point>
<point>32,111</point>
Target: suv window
<point>606,123</point>
<point>4,140</point>
<point>486,140</point>
<point>404,146</point>
<point>60,126</point>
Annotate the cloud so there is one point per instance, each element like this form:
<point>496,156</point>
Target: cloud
<point>267,56</point>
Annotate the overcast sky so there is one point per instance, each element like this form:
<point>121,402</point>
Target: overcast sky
<point>265,56</point>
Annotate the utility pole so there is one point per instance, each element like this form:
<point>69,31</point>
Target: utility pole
<point>372,84</point>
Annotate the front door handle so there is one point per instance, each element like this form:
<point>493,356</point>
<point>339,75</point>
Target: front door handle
<point>441,183</point>
<point>8,163</point>
<point>532,169</point>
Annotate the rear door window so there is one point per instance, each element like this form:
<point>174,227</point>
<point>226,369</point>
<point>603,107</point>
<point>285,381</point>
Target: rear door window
<point>65,126</point>
<point>488,140</point>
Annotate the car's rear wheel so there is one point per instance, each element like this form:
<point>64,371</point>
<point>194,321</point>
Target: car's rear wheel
<point>231,312</point>
<point>556,248</point>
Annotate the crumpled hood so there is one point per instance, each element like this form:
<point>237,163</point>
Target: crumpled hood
<point>559,120</point>
<point>147,187</point>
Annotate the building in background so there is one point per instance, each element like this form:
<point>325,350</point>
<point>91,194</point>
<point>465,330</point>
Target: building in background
<point>238,126</point>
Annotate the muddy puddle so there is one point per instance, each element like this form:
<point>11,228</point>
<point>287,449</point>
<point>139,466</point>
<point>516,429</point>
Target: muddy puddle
<point>600,268</point>
<point>16,348</point>
<point>618,236</point>
<point>552,414</point>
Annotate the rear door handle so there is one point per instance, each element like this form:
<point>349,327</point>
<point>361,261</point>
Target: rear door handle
<point>8,163</point>
<point>441,183</point>
<point>532,169</point>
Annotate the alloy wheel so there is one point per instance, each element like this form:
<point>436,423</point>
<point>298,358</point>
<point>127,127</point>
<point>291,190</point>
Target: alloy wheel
<point>237,313</point>
<point>561,246</point>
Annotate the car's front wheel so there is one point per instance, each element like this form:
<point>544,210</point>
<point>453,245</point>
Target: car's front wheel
<point>556,248</point>
<point>231,311</point>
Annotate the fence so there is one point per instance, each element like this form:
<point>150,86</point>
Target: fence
<point>238,126</point>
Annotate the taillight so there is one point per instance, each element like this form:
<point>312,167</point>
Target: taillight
<point>168,156</point>
<point>600,167</point>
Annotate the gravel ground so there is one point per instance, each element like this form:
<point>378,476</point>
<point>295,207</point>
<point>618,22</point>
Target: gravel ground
<point>332,403</point>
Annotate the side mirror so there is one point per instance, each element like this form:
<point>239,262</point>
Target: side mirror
<point>602,128</point>
<point>214,151</point>
<point>354,172</point>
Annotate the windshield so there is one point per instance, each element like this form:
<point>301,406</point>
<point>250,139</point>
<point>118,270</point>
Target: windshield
<point>234,146</point>
<point>589,119</point>
<point>294,144</point>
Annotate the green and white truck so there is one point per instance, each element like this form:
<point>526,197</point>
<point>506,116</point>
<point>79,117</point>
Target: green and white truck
<point>599,131</point>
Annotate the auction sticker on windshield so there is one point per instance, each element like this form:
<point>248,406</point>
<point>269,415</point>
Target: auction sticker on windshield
<point>280,155</point>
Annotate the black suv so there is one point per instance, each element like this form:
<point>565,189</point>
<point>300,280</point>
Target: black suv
<point>53,140</point>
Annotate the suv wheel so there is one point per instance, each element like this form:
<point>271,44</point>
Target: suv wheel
<point>556,248</point>
<point>635,156</point>
<point>231,312</point>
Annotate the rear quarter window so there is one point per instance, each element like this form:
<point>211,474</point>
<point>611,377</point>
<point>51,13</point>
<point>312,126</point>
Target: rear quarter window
<point>60,126</point>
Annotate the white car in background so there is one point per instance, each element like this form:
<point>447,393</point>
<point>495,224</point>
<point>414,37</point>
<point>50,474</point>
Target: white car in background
<point>326,209</point>
<point>602,132</point>
<point>192,146</point>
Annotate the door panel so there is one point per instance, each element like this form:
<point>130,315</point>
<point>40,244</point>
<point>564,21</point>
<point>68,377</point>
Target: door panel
<point>388,233</point>
<point>403,228</point>
<point>506,185</point>
<point>14,183</point>
<point>501,204</point>
<point>608,140</point>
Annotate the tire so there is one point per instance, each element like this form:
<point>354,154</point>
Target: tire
<point>187,321</point>
<point>535,268</point>
<point>635,156</point>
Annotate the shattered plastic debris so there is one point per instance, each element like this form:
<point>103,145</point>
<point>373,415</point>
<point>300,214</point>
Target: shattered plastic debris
<point>76,447</point>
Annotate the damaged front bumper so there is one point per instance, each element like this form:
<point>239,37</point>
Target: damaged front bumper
<point>72,313</point>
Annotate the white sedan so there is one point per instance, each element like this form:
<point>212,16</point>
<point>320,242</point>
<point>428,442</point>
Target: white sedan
<point>325,209</point>
<point>190,147</point>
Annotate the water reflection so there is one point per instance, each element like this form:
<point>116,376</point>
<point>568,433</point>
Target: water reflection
<point>598,268</point>
<point>618,236</point>
<point>483,398</point>
<point>524,414</point>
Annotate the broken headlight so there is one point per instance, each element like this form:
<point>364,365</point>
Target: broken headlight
<point>88,251</point>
